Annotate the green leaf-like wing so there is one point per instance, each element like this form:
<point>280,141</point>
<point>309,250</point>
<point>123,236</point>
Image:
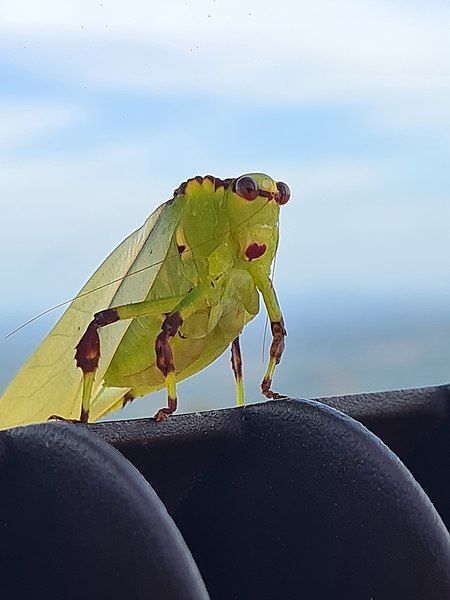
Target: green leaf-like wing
<point>49,382</point>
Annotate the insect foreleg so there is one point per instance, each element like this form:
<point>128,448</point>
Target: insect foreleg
<point>87,353</point>
<point>267,290</point>
<point>236,363</point>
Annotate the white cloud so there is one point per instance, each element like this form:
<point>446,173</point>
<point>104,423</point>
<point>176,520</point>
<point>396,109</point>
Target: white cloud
<point>326,51</point>
<point>22,121</point>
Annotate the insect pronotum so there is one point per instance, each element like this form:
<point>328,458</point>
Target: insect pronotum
<point>165,304</point>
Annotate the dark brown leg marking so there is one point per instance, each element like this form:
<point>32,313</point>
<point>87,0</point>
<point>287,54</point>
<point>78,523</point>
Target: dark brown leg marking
<point>164,355</point>
<point>276,351</point>
<point>236,358</point>
<point>127,399</point>
<point>84,416</point>
<point>164,358</point>
<point>87,351</point>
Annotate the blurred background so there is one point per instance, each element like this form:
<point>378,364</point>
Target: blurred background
<point>105,107</point>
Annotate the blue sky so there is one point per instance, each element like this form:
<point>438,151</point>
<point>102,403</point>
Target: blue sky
<point>105,107</point>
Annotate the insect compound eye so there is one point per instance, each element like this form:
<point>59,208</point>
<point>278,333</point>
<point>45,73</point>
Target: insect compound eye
<point>284,193</point>
<point>246,187</point>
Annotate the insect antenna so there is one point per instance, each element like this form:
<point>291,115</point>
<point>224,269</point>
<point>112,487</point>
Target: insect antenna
<point>118,279</point>
<point>263,349</point>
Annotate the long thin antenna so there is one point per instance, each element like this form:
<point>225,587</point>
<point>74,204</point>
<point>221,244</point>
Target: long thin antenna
<point>45,312</point>
<point>155,264</point>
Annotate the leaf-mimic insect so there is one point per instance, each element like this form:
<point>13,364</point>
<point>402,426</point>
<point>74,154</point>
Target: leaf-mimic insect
<point>165,304</point>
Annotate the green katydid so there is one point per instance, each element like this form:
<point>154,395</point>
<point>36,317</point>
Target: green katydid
<point>165,304</point>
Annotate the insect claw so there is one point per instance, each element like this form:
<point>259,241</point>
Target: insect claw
<point>163,413</point>
<point>271,395</point>
<point>59,418</point>
<point>268,393</point>
<point>161,416</point>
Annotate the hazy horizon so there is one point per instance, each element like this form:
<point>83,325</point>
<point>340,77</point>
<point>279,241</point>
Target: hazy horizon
<point>339,347</point>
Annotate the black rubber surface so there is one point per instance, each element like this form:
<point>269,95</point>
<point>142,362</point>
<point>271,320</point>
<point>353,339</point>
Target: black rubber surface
<point>288,499</point>
<point>292,499</point>
<point>78,521</point>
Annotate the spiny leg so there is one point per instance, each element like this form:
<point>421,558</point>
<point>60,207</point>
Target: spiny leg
<point>278,334</point>
<point>236,363</point>
<point>276,350</point>
<point>87,353</point>
<point>165,363</point>
<point>164,354</point>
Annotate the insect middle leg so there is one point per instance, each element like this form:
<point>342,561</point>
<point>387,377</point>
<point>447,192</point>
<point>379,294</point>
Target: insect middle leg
<point>278,334</point>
